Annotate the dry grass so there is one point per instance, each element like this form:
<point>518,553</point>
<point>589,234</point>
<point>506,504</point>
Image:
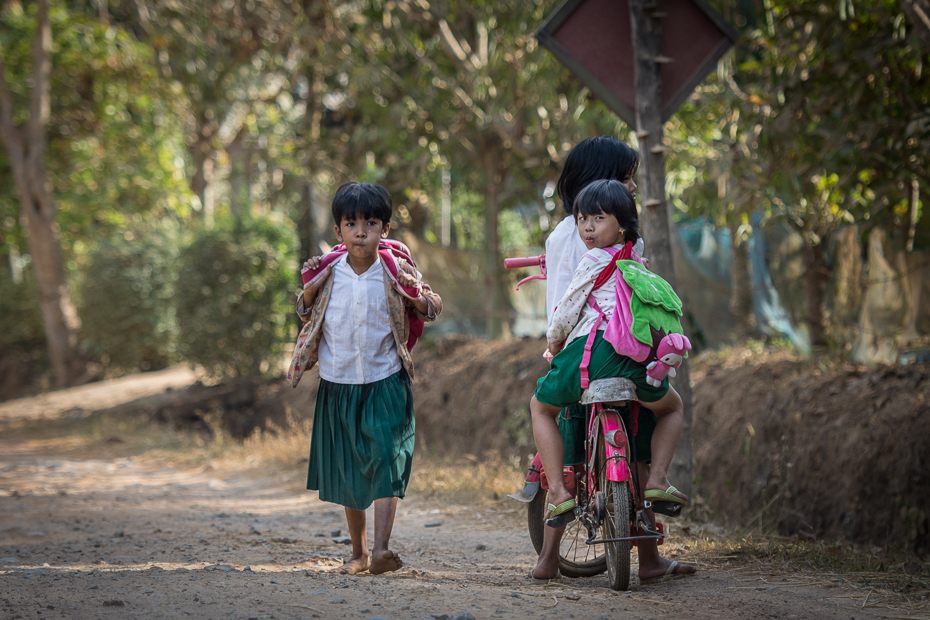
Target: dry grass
<point>750,352</point>
<point>284,451</point>
<point>468,480</point>
<point>277,451</point>
<point>885,580</point>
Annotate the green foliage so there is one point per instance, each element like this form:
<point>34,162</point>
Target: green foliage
<point>125,300</point>
<point>234,296</point>
<point>22,331</point>
<point>843,108</point>
<point>115,145</point>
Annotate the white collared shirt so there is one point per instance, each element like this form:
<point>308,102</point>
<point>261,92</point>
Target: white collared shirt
<point>357,346</point>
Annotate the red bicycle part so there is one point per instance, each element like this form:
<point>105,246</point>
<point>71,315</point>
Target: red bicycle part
<point>634,531</point>
<point>568,474</point>
<point>615,442</point>
<point>529,261</point>
<point>516,263</point>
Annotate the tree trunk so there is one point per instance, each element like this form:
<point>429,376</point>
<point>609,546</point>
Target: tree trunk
<point>202,154</point>
<point>913,210</point>
<point>656,218</point>
<point>307,226</point>
<point>492,253</point>
<point>311,233</point>
<point>238,161</point>
<point>744,322</point>
<point>815,280</point>
<point>25,147</point>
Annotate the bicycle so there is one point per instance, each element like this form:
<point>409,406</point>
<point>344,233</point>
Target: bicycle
<point>605,484</point>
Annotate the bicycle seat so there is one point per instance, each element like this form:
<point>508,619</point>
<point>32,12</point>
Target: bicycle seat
<point>610,391</point>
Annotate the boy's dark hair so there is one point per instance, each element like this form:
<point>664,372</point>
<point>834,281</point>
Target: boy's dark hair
<point>613,198</point>
<point>601,157</point>
<point>362,201</point>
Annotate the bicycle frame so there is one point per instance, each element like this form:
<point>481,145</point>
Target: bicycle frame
<point>615,444</point>
<point>617,465</point>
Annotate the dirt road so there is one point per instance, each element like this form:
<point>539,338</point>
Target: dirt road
<point>93,396</point>
<point>126,538</point>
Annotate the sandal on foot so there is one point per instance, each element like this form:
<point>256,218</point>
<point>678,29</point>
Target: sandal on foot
<point>560,515</point>
<point>655,495</point>
<point>539,581</point>
<point>669,573</point>
<point>664,502</point>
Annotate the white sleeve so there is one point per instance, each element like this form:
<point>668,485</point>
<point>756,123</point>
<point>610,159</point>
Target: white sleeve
<point>559,263</point>
<point>639,247</point>
<point>571,306</point>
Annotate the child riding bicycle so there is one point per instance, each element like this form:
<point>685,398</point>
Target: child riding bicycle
<point>606,218</point>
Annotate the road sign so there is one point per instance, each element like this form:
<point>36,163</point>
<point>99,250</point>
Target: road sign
<point>592,38</point>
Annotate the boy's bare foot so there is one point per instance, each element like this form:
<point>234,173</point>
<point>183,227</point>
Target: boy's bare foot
<point>353,565</point>
<point>384,562</point>
<point>664,567</point>
<point>544,569</point>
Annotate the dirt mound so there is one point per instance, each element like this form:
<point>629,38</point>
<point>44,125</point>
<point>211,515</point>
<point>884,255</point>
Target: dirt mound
<point>472,396</point>
<point>820,453</point>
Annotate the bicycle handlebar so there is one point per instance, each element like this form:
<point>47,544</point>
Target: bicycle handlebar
<point>530,261</point>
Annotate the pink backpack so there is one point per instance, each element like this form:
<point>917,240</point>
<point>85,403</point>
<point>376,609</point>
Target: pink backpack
<point>619,332</point>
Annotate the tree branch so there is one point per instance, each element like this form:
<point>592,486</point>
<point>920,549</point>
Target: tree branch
<point>40,107</point>
<point>8,130</point>
<point>919,10</point>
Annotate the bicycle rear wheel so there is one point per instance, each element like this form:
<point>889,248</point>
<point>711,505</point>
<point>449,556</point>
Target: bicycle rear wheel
<point>618,518</point>
<point>576,559</point>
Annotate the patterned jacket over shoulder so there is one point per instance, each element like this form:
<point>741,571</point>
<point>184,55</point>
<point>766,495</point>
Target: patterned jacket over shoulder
<point>307,349</point>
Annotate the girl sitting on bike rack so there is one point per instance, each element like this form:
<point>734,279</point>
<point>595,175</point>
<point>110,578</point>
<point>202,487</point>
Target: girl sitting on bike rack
<point>606,217</point>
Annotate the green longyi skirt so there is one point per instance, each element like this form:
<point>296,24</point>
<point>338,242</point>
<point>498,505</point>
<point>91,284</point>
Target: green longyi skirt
<point>362,444</point>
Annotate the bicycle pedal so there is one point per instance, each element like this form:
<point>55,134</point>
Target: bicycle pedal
<point>669,509</point>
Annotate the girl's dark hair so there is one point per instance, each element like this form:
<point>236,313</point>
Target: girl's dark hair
<point>613,198</point>
<point>601,157</point>
<point>362,201</point>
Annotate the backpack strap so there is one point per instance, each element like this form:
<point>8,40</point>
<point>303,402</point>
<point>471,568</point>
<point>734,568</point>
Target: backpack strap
<point>589,343</point>
<point>388,251</point>
<point>602,278</point>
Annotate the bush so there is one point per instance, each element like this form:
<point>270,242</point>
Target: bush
<point>234,296</point>
<point>24,360</point>
<point>126,300</point>
<point>23,331</point>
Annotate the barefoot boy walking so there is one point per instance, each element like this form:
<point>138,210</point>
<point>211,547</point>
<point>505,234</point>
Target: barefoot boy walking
<point>357,319</point>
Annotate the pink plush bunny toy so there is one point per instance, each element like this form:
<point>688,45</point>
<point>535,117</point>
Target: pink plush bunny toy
<point>670,352</point>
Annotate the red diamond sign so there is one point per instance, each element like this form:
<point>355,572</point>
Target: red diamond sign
<point>592,38</point>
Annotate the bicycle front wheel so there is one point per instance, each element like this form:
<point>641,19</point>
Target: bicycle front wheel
<point>576,559</point>
<point>618,518</point>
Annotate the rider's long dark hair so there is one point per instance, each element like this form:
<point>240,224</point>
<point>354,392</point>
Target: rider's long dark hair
<point>601,157</point>
<point>613,198</point>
